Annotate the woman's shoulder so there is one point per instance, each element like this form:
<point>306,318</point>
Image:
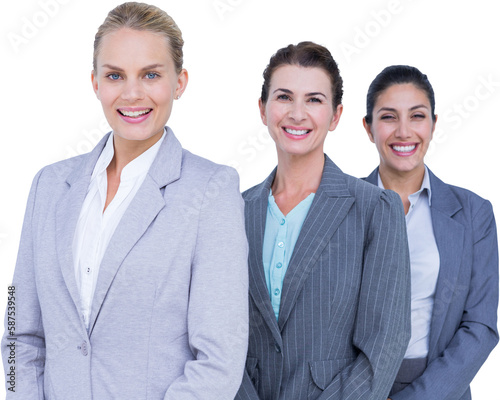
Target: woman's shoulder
<point>366,194</point>
<point>59,171</point>
<point>444,193</point>
<point>458,201</point>
<point>202,169</point>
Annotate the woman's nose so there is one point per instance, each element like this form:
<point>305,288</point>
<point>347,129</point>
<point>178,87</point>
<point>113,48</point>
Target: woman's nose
<point>297,111</point>
<point>133,90</point>
<point>403,130</point>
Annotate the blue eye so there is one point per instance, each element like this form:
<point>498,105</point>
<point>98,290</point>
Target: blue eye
<point>315,100</point>
<point>283,97</point>
<point>151,75</point>
<point>114,77</point>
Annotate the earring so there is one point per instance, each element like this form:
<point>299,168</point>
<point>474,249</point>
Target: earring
<point>177,97</point>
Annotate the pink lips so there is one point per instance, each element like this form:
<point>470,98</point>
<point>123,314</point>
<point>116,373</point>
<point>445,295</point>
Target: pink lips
<point>134,120</point>
<point>404,153</point>
<point>296,128</point>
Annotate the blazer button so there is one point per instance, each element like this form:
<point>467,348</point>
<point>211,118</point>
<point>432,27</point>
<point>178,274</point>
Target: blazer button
<point>84,349</point>
<point>278,348</point>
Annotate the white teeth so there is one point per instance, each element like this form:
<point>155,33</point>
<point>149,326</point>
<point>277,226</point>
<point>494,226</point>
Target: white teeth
<point>404,149</point>
<point>297,132</point>
<point>135,114</point>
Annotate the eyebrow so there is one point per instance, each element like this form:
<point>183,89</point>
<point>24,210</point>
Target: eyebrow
<point>147,67</point>
<point>307,94</point>
<point>394,110</point>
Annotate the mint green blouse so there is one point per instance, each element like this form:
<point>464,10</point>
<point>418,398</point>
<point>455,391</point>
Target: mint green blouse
<point>280,236</point>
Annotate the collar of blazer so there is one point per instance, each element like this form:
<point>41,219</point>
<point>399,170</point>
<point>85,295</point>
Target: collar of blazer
<point>145,206</point>
<point>332,183</point>
<point>165,168</point>
<point>449,233</point>
<point>443,199</point>
<point>330,206</point>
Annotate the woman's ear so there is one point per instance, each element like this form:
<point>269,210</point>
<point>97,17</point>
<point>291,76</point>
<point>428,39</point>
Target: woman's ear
<point>95,84</point>
<point>262,109</point>
<point>182,81</point>
<point>336,117</point>
<point>434,126</point>
<point>368,129</point>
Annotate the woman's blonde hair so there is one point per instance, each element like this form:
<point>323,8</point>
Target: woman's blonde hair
<point>142,17</point>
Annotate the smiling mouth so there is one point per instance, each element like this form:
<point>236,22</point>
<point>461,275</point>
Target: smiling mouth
<point>135,114</point>
<point>297,132</point>
<point>404,149</point>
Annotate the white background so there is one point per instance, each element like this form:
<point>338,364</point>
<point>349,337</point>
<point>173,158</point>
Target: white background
<point>50,111</point>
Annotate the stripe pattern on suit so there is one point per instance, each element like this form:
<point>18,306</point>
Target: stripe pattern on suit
<point>344,320</point>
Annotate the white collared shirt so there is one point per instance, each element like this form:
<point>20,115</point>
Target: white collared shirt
<point>95,227</point>
<point>424,260</point>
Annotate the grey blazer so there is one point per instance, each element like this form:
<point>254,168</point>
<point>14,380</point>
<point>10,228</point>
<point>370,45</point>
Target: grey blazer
<point>464,319</point>
<point>344,320</point>
<point>169,317</point>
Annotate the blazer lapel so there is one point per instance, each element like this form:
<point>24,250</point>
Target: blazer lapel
<point>68,212</point>
<point>373,177</point>
<point>330,206</point>
<point>255,217</point>
<point>449,236</point>
<point>143,209</point>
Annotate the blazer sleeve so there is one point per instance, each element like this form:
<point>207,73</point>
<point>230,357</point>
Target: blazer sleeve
<point>23,343</point>
<point>218,298</point>
<point>382,330</point>
<point>448,376</point>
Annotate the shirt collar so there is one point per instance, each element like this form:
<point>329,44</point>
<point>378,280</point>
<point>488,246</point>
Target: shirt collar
<point>105,158</point>
<point>139,165</point>
<point>426,184</point>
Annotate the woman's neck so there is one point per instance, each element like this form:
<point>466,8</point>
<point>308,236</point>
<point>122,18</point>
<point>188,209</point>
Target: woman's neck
<point>127,150</point>
<point>403,183</point>
<point>296,178</point>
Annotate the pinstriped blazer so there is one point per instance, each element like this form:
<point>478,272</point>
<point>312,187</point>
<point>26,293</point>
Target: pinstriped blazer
<point>344,320</point>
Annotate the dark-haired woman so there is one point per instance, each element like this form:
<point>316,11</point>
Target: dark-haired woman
<point>329,266</point>
<point>452,240</point>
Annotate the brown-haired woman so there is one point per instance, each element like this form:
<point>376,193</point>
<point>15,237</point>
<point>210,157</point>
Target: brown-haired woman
<point>123,290</point>
<point>328,261</point>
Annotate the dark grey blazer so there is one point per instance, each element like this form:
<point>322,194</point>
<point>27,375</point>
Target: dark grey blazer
<point>464,319</point>
<point>344,320</point>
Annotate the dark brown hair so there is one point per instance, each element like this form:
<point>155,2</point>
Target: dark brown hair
<point>398,75</point>
<point>305,54</point>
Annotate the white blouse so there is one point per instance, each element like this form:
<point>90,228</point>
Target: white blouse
<point>424,260</point>
<point>95,227</point>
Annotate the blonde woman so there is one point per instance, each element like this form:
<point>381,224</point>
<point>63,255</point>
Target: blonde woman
<point>122,287</point>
